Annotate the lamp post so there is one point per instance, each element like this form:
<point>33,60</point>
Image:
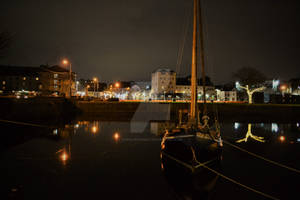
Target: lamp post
<point>95,80</point>
<point>66,62</point>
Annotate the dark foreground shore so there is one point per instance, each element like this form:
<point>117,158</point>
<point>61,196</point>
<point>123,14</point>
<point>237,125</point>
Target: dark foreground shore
<point>62,110</point>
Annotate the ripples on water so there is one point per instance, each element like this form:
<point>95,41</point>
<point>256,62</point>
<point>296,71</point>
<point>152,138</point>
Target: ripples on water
<point>122,160</point>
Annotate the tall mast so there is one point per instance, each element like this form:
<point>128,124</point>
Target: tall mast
<point>193,110</point>
<point>202,59</point>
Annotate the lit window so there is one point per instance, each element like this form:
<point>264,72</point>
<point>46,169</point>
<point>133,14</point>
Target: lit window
<point>3,82</point>
<point>24,78</point>
<point>37,78</point>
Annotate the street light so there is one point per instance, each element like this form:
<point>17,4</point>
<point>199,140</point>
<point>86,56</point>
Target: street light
<point>95,80</point>
<point>66,62</point>
<point>283,89</point>
<point>117,84</point>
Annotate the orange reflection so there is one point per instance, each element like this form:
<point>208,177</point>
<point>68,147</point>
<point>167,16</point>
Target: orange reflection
<point>116,136</point>
<point>64,157</point>
<point>282,138</point>
<point>94,129</point>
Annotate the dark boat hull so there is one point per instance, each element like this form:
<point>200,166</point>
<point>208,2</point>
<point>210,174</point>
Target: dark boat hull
<point>182,162</point>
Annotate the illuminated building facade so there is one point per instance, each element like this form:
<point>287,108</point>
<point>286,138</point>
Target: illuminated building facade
<point>226,95</point>
<point>163,81</point>
<point>43,80</point>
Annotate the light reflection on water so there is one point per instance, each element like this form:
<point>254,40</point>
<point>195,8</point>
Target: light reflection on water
<point>124,158</point>
<point>268,130</point>
<point>249,134</point>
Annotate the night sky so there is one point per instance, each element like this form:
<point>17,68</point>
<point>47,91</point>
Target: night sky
<point>128,39</point>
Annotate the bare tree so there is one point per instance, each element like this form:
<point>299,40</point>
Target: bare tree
<point>249,79</point>
<point>5,42</point>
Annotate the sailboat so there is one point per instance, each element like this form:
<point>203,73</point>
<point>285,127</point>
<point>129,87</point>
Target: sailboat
<point>194,143</point>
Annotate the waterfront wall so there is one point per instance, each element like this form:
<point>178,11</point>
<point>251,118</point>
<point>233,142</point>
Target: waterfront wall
<point>160,111</point>
<point>38,110</point>
<point>53,110</point>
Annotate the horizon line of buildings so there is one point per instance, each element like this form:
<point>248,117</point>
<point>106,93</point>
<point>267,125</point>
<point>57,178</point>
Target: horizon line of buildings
<point>59,81</point>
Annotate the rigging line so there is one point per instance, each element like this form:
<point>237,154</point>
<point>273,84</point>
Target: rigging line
<point>182,45</point>
<point>240,184</point>
<point>262,158</point>
<point>205,30</point>
<point>24,123</point>
<point>200,22</point>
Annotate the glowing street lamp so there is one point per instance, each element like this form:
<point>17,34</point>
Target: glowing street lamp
<point>66,62</point>
<point>283,87</point>
<point>95,80</point>
<point>117,84</point>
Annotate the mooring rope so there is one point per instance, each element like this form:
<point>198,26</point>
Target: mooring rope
<point>219,174</point>
<point>24,123</point>
<point>240,184</point>
<point>263,158</point>
<point>179,161</point>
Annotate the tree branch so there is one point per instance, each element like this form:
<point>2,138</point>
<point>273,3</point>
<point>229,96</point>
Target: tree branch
<point>258,89</point>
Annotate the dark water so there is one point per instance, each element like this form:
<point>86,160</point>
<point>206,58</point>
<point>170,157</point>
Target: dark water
<point>121,160</point>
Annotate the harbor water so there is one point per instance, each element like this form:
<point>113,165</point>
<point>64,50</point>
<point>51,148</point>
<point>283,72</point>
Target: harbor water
<point>121,160</point>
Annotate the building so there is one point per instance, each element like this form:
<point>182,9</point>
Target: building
<point>226,95</point>
<point>43,80</point>
<point>185,91</point>
<point>165,85</point>
<point>163,81</point>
